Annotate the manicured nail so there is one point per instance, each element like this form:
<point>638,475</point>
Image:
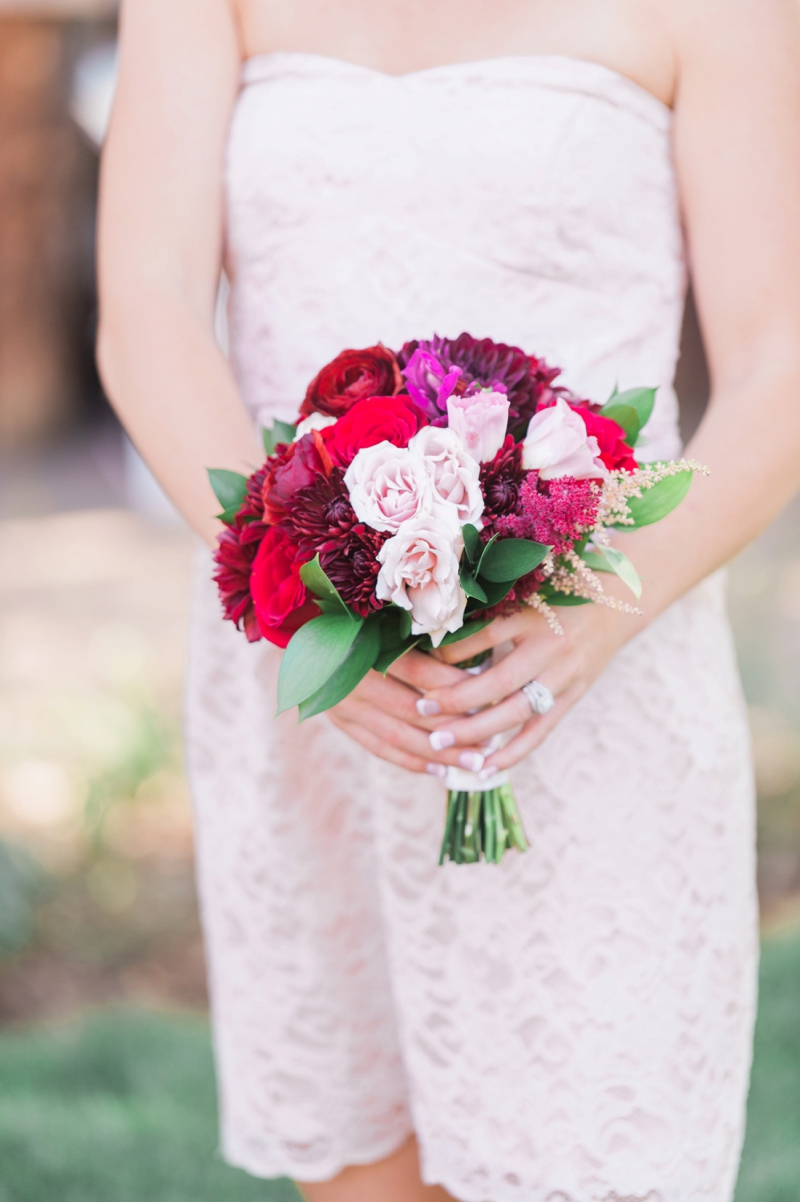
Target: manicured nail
<point>492,744</point>
<point>486,774</point>
<point>428,708</point>
<point>442,739</point>
<point>473,761</point>
<point>436,769</point>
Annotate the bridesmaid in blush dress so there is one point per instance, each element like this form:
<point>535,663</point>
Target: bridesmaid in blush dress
<point>574,1025</point>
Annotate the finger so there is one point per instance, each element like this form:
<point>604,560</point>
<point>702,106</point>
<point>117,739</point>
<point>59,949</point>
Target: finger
<point>396,699</point>
<point>424,672</point>
<point>373,744</point>
<point>525,663</point>
<point>500,630</point>
<point>405,737</point>
<point>533,733</point>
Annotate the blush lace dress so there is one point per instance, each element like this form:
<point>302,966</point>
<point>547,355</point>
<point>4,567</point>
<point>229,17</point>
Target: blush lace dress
<point>574,1025</point>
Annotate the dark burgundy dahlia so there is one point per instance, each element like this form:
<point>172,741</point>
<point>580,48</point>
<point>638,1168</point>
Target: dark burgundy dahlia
<point>528,382</point>
<point>353,567</point>
<point>234,563</point>
<point>501,481</point>
<point>321,515</point>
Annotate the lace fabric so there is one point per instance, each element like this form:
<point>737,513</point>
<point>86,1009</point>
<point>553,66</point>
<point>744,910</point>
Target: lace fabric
<point>575,1024</point>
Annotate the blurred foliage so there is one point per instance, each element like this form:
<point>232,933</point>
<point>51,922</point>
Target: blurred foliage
<point>121,1106</point>
<point>23,884</point>
<point>116,1109</point>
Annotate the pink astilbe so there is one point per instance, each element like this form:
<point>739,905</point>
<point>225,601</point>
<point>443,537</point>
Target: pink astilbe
<point>558,516</point>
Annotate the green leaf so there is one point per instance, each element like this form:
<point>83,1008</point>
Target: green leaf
<point>622,567</point>
<point>595,562</point>
<point>656,502</point>
<point>625,416</point>
<point>280,432</point>
<point>353,668</point>
<point>395,628</point>
<point>315,652</point>
<point>386,658</point>
<point>495,592</point>
<point>566,599</point>
<point>229,489</point>
<point>641,399</point>
<point>466,630</point>
<point>315,580</point>
<point>472,542</point>
<point>472,588</point>
<point>511,558</point>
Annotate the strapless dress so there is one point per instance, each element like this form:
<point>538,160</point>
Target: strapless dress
<point>575,1025</point>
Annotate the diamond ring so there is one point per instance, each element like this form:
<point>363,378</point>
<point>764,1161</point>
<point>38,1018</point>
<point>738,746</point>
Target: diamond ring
<point>539,697</point>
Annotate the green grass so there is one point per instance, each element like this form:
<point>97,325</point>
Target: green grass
<point>120,1107</point>
<point>771,1161</point>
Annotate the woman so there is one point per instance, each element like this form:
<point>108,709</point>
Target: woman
<point>576,1024</point>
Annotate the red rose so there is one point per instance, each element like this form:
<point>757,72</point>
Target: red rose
<point>280,598</point>
<point>292,468</point>
<point>377,419</point>
<point>350,377</point>
<point>614,451</point>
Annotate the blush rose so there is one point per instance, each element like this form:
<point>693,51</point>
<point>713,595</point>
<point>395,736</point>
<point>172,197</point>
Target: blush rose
<point>419,572</point>
<point>557,444</point>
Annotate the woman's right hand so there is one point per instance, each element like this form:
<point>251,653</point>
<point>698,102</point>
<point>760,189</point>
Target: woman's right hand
<point>383,716</point>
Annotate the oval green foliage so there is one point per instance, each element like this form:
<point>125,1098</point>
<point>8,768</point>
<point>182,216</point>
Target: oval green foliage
<point>230,489</point>
<point>315,580</point>
<point>641,399</point>
<point>510,558</point>
<point>625,416</point>
<point>281,432</point>
<point>353,668</point>
<point>315,652</point>
<point>655,503</point>
<point>466,630</point>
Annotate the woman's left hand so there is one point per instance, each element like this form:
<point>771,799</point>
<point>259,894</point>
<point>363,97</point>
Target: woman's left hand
<point>566,663</point>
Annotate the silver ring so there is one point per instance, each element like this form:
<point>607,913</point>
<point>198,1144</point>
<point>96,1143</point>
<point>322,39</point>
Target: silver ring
<point>539,697</point>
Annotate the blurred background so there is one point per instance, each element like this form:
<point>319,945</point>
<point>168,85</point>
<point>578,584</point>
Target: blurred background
<point>105,1065</point>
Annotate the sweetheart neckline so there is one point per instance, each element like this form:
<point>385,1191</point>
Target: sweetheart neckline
<point>473,64</point>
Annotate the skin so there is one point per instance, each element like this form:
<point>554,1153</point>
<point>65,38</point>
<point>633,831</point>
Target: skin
<point>730,70</point>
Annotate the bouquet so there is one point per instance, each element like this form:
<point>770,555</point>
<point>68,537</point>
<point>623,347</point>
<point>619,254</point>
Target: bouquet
<point>420,494</point>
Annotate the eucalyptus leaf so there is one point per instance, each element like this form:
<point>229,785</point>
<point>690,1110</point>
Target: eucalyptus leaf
<point>472,542</point>
<point>622,567</point>
<point>625,416</point>
<point>281,432</point>
<point>472,588</point>
<point>656,502</point>
<point>315,652</point>
<point>314,578</point>
<point>511,558</point>
<point>353,668</point>
<point>230,489</point>
<point>641,399</point>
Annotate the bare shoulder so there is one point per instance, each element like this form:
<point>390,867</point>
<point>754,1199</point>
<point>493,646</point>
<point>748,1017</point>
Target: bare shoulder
<point>745,35</point>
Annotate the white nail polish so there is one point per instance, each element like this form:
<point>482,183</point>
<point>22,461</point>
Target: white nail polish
<point>486,774</point>
<point>428,708</point>
<point>492,744</point>
<point>440,740</point>
<point>473,761</point>
<point>436,769</point>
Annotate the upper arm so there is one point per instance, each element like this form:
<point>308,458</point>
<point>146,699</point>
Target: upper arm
<point>737,146</point>
<point>161,211</point>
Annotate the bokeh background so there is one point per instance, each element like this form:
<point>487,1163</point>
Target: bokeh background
<point>106,1090</point>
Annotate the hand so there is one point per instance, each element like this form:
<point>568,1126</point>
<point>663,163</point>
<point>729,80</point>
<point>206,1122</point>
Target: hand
<point>566,663</point>
<point>382,715</point>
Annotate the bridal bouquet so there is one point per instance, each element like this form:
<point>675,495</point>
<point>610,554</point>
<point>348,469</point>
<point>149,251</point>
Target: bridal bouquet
<point>419,495</point>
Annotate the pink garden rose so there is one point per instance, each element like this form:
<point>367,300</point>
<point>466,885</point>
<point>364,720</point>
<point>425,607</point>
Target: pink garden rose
<point>558,444</point>
<point>480,420</point>
<point>455,477</point>
<point>419,573</point>
<point>388,485</point>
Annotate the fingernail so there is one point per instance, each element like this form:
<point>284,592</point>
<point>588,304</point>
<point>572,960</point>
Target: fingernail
<point>492,744</point>
<point>473,761</point>
<point>428,708</point>
<point>442,739</point>
<point>486,774</point>
<point>436,769</point>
